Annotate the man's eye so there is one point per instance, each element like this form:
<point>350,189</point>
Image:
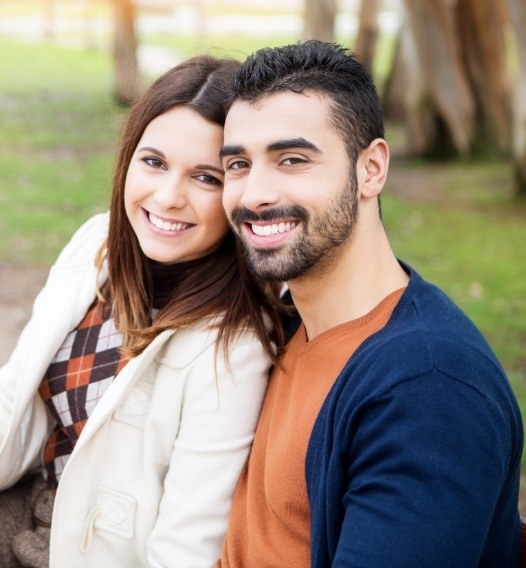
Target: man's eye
<point>293,160</point>
<point>237,165</point>
<point>153,162</point>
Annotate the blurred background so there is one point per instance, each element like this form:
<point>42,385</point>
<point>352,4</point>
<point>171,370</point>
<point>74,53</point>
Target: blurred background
<point>451,74</point>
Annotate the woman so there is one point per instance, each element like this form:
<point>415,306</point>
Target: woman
<point>137,383</point>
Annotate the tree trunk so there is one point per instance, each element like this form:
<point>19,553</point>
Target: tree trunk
<point>89,34</point>
<point>48,18</point>
<point>433,28</point>
<point>395,84</point>
<point>127,81</point>
<point>318,20</point>
<point>367,32</point>
<point>481,25</point>
<point>518,17</point>
<point>406,98</point>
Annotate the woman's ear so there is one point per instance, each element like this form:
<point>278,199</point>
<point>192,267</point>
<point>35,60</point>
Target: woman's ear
<point>373,164</point>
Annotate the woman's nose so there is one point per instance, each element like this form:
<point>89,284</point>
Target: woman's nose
<point>171,193</point>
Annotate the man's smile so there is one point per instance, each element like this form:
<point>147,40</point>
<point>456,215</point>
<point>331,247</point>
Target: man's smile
<point>264,230</point>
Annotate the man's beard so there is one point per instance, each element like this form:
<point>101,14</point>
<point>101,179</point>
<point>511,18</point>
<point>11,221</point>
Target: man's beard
<point>315,248</point>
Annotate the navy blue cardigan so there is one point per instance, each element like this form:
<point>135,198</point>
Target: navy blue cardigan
<point>414,459</point>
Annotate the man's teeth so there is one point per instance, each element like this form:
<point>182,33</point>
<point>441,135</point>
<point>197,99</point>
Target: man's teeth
<point>266,230</point>
<point>166,225</point>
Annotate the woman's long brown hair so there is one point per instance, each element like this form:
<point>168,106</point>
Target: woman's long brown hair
<point>222,285</point>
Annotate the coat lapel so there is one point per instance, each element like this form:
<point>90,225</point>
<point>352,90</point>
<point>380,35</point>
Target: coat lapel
<point>120,387</point>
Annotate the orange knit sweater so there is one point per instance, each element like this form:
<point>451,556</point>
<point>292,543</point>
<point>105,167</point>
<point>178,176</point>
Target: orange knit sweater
<point>269,521</point>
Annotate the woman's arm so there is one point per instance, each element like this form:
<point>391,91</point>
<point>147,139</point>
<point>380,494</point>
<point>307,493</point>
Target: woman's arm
<point>218,418</point>
<point>68,292</point>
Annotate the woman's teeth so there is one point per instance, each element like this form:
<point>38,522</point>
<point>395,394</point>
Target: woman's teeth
<point>166,225</point>
<point>266,230</point>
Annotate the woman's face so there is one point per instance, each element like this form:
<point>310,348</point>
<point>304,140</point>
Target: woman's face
<point>174,186</point>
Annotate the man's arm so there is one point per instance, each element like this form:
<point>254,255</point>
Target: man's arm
<point>429,468</point>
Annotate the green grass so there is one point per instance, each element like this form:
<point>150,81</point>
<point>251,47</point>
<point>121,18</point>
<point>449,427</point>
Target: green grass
<point>58,132</point>
<point>59,127</point>
<point>478,257</point>
<point>468,238</point>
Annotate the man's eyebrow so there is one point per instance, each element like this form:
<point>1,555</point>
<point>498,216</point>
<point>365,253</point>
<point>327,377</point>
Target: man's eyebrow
<point>291,144</point>
<point>233,150</point>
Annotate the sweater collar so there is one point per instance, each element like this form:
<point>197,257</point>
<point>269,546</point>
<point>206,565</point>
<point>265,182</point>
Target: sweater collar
<point>167,277</point>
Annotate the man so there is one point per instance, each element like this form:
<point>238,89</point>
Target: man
<point>389,435</point>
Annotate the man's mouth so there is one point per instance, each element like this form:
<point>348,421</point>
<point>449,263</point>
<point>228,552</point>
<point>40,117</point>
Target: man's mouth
<point>272,229</point>
<point>166,225</point>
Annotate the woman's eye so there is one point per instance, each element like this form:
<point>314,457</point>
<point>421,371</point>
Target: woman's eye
<point>211,180</point>
<point>153,162</point>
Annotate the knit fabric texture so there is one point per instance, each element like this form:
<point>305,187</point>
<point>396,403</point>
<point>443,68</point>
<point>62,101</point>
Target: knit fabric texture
<point>414,459</point>
<point>76,380</point>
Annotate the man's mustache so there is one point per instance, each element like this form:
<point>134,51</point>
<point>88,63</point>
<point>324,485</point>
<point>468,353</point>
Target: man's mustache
<point>243,215</point>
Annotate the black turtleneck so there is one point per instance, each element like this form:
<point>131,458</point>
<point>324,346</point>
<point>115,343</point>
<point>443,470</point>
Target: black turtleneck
<point>166,277</point>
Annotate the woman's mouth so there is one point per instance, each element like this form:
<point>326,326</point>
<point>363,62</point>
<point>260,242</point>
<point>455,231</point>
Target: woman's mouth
<point>165,225</point>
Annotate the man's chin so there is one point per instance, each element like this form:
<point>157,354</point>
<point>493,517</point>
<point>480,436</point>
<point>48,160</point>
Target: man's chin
<point>270,269</point>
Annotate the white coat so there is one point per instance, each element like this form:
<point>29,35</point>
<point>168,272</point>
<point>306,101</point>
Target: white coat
<point>151,477</point>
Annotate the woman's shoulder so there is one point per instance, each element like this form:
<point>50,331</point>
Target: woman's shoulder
<point>200,340</point>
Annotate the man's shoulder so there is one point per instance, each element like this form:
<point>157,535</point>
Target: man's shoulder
<point>427,333</point>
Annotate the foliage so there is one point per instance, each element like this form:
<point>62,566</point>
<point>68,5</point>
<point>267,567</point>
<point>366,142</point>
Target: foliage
<point>456,223</point>
<point>58,133</point>
<point>468,238</point>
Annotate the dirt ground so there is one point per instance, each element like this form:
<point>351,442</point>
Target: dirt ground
<point>18,288</point>
<point>20,285</point>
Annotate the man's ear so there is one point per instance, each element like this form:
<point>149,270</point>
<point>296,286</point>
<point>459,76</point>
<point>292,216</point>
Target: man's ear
<point>373,164</point>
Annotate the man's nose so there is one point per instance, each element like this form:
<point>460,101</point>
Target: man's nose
<point>260,190</point>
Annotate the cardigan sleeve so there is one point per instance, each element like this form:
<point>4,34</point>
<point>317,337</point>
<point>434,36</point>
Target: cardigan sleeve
<point>220,408</point>
<point>426,465</point>
<point>24,419</point>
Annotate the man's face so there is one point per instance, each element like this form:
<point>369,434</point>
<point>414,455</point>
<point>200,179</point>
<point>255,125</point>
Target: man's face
<point>289,191</point>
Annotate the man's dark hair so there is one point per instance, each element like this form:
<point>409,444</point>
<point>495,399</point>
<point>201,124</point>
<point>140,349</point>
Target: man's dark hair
<point>323,68</point>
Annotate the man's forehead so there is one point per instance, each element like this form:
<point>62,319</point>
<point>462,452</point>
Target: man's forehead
<point>282,99</point>
<point>277,116</point>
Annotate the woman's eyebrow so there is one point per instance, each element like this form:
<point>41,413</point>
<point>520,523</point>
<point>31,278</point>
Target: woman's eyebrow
<point>150,149</point>
<point>210,167</point>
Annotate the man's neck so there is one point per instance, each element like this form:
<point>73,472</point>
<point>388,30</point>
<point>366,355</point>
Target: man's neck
<point>349,286</point>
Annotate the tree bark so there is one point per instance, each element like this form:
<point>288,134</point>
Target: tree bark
<point>48,18</point>
<point>89,34</point>
<point>481,25</point>
<point>127,85</point>
<point>433,28</point>
<point>367,36</point>
<point>518,17</point>
<point>406,99</point>
<point>393,94</point>
<point>319,17</point>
